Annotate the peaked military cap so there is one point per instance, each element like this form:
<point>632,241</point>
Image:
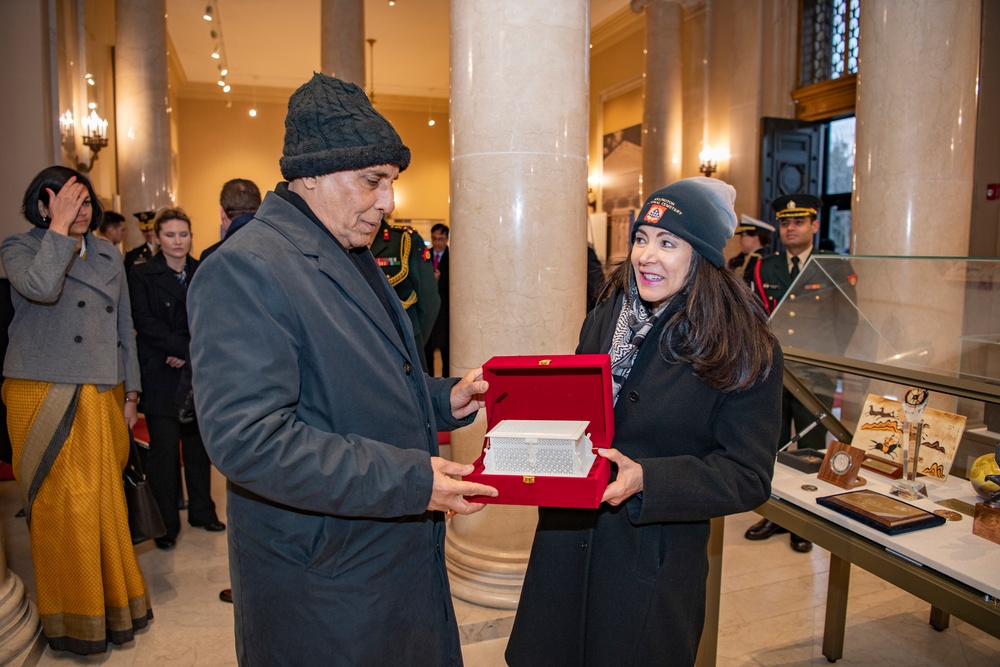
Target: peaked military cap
<point>748,224</point>
<point>799,205</point>
<point>145,219</point>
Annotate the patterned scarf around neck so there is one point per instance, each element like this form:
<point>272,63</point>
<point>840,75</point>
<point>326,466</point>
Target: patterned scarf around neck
<point>634,323</point>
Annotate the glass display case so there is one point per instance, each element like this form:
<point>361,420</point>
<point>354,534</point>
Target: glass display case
<point>854,325</point>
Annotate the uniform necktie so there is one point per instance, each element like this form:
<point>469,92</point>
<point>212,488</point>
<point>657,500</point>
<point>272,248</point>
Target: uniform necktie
<point>795,267</point>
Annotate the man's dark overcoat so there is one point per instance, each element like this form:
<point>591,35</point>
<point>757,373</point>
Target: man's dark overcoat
<point>626,585</point>
<point>318,414</point>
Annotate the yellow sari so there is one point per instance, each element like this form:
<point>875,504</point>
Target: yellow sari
<point>89,586</point>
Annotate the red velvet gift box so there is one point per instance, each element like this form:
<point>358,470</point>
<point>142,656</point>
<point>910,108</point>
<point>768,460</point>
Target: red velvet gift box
<point>567,387</point>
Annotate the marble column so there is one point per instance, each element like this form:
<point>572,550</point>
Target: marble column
<point>519,101</point>
<point>141,106</point>
<point>342,35</point>
<point>916,123</point>
<point>662,102</point>
<point>21,639</point>
<point>915,138</point>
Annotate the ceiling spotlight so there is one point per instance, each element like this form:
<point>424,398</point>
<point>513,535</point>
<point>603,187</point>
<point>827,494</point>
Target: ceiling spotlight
<point>222,84</point>
<point>392,3</point>
<point>226,89</point>
<point>253,113</point>
<point>208,13</point>
<point>223,71</point>
<point>431,122</point>
<point>215,54</point>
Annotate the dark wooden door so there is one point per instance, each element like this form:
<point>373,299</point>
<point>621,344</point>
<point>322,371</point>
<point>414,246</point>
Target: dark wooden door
<point>791,160</point>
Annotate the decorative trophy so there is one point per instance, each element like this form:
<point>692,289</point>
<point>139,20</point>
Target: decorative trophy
<point>914,403</point>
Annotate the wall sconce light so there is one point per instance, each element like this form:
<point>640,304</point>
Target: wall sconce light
<point>67,130</point>
<point>95,136</point>
<point>709,162</point>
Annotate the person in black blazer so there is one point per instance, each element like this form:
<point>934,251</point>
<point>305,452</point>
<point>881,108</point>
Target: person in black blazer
<point>696,381</point>
<point>159,310</point>
<point>438,337</point>
<point>141,253</point>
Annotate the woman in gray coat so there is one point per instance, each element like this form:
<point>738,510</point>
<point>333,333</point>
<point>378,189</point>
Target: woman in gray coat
<point>72,381</point>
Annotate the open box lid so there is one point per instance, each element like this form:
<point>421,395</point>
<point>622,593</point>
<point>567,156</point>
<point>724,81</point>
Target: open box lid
<point>568,387</point>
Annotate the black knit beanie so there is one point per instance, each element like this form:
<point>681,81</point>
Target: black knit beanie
<point>332,126</point>
<point>699,210</point>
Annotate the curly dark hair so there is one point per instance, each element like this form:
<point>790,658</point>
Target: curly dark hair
<point>54,178</point>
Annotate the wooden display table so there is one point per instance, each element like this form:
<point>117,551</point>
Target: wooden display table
<point>948,566</point>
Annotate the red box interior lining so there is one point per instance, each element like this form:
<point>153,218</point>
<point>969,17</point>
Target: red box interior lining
<point>561,387</point>
<point>569,387</point>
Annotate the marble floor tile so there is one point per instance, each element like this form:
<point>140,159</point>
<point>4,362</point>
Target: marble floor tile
<point>772,608</point>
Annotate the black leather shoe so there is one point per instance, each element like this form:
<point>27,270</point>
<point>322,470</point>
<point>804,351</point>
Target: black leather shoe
<point>803,546</point>
<point>226,595</point>
<point>763,529</point>
<point>165,543</point>
<point>211,526</point>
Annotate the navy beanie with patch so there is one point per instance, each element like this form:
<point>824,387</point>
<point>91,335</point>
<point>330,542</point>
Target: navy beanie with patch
<point>332,126</point>
<point>699,210</point>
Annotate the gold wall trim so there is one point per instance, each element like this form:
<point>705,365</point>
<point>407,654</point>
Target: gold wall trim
<point>826,99</point>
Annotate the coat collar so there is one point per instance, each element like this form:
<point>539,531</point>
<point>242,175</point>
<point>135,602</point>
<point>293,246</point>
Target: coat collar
<point>165,277</point>
<point>99,270</point>
<point>333,262</point>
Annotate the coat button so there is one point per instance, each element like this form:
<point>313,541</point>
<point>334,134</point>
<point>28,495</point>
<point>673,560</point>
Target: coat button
<point>633,396</point>
<point>583,545</point>
<point>110,309</point>
<point>82,304</point>
<point>78,339</point>
<point>407,368</point>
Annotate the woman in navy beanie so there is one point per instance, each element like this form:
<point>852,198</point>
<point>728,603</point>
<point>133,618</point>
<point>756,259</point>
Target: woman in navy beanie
<point>696,380</point>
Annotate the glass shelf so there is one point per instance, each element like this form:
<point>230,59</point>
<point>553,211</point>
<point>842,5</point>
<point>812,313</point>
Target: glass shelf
<point>925,321</point>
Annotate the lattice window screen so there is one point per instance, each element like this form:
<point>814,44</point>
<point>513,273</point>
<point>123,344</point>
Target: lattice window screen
<point>829,39</point>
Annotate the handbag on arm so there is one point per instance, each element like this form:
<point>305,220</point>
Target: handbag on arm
<point>144,520</point>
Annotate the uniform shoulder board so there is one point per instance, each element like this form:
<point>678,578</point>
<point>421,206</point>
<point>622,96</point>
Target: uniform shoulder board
<point>404,228</point>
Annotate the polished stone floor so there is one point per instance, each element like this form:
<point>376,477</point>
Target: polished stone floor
<point>771,614</point>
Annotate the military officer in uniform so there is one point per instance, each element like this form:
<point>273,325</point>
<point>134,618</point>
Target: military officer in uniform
<point>755,239</point>
<point>141,254</point>
<point>824,312</point>
<point>406,262</point>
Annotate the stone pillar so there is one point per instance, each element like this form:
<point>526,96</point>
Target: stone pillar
<point>916,130</point>
<point>21,640</point>
<point>662,102</point>
<point>142,132</point>
<point>915,137</point>
<point>519,101</point>
<point>342,35</point>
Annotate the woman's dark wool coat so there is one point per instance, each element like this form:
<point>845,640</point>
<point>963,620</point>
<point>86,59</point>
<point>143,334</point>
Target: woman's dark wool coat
<point>626,585</point>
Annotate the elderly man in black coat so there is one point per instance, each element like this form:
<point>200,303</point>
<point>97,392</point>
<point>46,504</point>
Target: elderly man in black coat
<point>336,535</point>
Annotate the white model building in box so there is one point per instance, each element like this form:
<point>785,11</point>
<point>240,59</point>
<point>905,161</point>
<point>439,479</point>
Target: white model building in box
<point>539,447</point>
